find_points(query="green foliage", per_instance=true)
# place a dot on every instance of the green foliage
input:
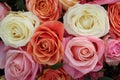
(3, 0)
(56, 66)
(20, 5)
(16, 5)
(105, 78)
(87, 78)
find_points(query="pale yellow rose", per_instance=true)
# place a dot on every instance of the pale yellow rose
(86, 20)
(17, 28)
(2, 77)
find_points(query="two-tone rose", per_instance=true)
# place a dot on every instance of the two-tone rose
(82, 55)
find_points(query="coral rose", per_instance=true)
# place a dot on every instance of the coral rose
(82, 55)
(46, 43)
(114, 16)
(86, 20)
(46, 10)
(58, 74)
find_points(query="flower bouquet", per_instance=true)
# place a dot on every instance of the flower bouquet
(59, 39)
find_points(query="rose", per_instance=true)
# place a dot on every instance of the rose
(87, 19)
(2, 77)
(58, 74)
(46, 10)
(113, 13)
(96, 75)
(68, 3)
(112, 53)
(82, 55)
(2, 55)
(4, 8)
(92, 76)
(117, 77)
(3, 50)
(17, 28)
(46, 43)
(20, 66)
(100, 2)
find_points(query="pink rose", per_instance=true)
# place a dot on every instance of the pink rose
(112, 52)
(2, 55)
(4, 8)
(3, 50)
(20, 66)
(82, 55)
(92, 75)
(96, 75)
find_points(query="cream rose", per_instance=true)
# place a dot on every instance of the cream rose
(86, 19)
(17, 28)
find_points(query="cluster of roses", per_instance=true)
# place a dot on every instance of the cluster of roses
(33, 41)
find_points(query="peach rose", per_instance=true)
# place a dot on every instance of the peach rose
(114, 16)
(82, 55)
(46, 10)
(100, 2)
(68, 3)
(46, 44)
(112, 53)
(58, 74)
(20, 66)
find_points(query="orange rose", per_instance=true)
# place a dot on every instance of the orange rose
(46, 43)
(114, 16)
(68, 3)
(59, 74)
(46, 10)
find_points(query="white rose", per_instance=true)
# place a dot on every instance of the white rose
(17, 28)
(86, 20)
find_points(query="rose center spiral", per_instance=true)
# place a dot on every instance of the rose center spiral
(86, 21)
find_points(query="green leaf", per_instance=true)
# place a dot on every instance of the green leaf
(3, 0)
(56, 66)
(105, 78)
(21, 5)
(87, 78)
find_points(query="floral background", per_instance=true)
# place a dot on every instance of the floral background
(59, 39)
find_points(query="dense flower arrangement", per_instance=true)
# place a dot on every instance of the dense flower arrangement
(59, 39)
